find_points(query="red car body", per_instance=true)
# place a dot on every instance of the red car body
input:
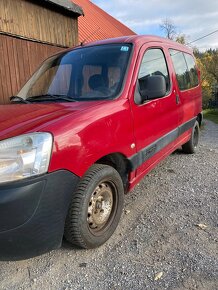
(86, 132)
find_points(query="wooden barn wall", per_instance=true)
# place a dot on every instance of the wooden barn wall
(31, 21)
(18, 60)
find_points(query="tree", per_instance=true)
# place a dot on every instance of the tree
(211, 63)
(206, 82)
(170, 31)
(208, 65)
(168, 27)
(181, 38)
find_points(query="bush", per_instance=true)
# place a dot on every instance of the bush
(211, 114)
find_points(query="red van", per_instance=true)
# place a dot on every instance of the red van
(86, 127)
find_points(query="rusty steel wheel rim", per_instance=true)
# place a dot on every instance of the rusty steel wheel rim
(100, 208)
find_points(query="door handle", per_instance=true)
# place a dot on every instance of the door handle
(177, 99)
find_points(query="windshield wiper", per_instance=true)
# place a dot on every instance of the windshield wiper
(50, 97)
(17, 99)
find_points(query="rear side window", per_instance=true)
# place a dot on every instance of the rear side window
(185, 68)
(154, 63)
(192, 70)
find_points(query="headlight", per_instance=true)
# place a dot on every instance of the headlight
(24, 156)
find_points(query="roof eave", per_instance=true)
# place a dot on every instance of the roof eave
(67, 5)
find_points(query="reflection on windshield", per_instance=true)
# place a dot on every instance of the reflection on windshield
(86, 73)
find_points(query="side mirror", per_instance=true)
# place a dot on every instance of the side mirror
(152, 87)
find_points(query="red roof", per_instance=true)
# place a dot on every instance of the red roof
(97, 24)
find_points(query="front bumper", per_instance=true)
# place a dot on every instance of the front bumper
(33, 213)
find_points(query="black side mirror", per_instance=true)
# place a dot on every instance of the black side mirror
(152, 87)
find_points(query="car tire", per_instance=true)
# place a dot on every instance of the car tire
(96, 207)
(191, 146)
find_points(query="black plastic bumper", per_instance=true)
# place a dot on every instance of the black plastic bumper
(32, 214)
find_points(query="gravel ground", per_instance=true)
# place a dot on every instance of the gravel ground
(158, 234)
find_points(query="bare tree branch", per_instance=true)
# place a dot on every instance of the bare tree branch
(168, 28)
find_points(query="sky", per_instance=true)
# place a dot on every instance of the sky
(194, 18)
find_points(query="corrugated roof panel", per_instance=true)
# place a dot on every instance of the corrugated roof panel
(97, 24)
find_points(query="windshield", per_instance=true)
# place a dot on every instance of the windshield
(87, 73)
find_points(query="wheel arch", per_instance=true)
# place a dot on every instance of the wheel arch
(119, 162)
(200, 118)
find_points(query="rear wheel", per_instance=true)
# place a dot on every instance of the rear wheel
(191, 146)
(96, 207)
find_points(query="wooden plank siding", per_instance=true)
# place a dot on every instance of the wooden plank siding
(19, 58)
(31, 21)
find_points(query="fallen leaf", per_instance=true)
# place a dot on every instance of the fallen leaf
(201, 226)
(158, 276)
(170, 170)
(82, 265)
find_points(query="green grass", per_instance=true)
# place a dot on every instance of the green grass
(211, 114)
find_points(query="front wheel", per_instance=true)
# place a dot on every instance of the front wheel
(96, 207)
(191, 146)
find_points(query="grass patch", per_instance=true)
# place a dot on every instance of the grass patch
(211, 114)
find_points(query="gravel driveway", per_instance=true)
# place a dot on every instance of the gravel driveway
(157, 237)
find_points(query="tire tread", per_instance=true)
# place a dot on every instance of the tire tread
(72, 226)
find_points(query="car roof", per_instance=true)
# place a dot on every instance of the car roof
(139, 40)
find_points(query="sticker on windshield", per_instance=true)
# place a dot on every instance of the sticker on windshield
(124, 48)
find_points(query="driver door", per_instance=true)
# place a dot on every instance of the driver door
(155, 120)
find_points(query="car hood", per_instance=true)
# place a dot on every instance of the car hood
(17, 119)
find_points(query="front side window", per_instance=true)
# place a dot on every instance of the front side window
(154, 63)
(86, 73)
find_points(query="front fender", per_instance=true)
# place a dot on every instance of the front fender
(79, 142)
